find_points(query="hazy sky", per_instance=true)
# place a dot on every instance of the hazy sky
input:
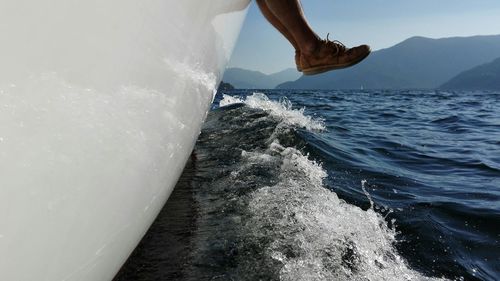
(379, 23)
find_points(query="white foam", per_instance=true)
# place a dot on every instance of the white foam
(365, 191)
(282, 110)
(316, 235)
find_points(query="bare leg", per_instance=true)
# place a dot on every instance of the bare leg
(288, 18)
(312, 55)
(277, 23)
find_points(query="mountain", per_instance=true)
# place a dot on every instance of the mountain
(483, 77)
(248, 79)
(417, 62)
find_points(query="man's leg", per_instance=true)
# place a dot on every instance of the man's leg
(276, 23)
(281, 28)
(312, 55)
(288, 18)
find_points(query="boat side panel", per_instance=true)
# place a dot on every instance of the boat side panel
(100, 105)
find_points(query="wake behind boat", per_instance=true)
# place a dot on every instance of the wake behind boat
(302, 187)
(100, 106)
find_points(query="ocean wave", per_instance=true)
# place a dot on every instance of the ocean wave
(317, 236)
(282, 110)
(289, 224)
(276, 198)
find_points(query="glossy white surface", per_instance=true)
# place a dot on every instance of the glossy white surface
(100, 105)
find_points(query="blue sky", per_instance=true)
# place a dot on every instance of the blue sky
(379, 23)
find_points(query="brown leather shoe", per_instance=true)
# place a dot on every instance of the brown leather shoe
(332, 55)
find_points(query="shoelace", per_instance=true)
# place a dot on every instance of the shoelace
(339, 46)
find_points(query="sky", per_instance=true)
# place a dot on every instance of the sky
(378, 23)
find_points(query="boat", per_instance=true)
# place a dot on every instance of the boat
(101, 103)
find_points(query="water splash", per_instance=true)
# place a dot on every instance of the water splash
(266, 206)
(282, 110)
(365, 191)
(313, 234)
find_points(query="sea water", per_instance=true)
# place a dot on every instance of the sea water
(340, 185)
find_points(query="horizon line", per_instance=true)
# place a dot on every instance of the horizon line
(376, 50)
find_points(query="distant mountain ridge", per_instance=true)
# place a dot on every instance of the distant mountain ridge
(416, 63)
(483, 77)
(248, 79)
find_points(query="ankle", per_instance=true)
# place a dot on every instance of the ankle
(311, 47)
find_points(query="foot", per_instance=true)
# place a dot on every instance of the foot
(332, 55)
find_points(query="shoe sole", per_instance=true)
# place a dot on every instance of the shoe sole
(324, 68)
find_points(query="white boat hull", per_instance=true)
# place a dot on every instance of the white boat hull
(101, 103)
